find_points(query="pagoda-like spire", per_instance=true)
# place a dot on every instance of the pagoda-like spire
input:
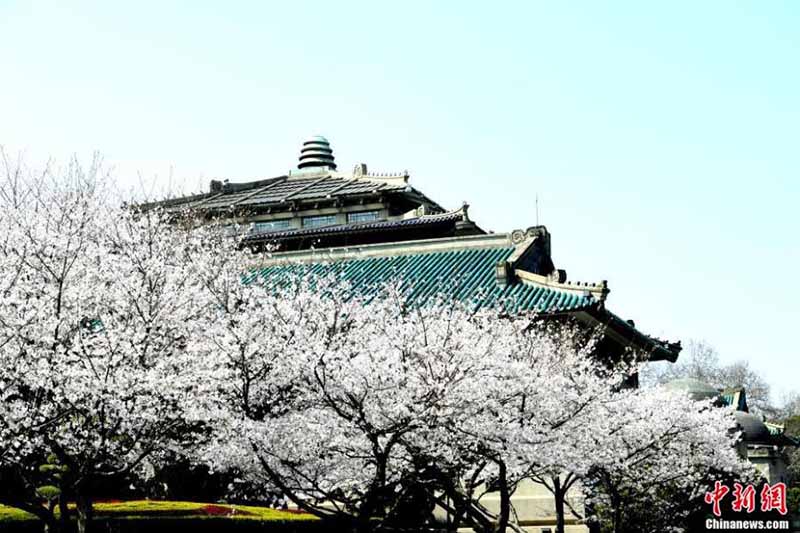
(316, 152)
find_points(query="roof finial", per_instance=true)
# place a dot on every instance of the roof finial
(316, 152)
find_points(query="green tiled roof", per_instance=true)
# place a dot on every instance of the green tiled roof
(727, 398)
(465, 274)
(734, 397)
(775, 430)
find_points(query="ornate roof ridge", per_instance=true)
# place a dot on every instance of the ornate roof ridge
(597, 290)
(489, 240)
(359, 173)
(536, 240)
(216, 188)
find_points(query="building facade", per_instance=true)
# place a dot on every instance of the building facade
(376, 227)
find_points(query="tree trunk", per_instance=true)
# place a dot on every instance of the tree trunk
(590, 513)
(468, 511)
(51, 525)
(373, 502)
(458, 516)
(63, 512)
(616, 505)
(559, 493)
(85, 513)
(363, 525)
(505, 500)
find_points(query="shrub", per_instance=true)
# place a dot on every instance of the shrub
(793, 501)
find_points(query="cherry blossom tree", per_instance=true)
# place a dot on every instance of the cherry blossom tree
(125, 336)
(629, 445)
(96, 304)
(515, 417)
(659, 447)
(315, 391)
(347, 405)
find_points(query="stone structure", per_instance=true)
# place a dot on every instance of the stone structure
(762, 443)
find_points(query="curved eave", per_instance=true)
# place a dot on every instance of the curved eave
(786, 440)
(382, 225)
(657, 349)
(773, 440)
(594, 313)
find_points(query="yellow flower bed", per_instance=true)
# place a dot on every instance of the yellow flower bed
(170, 509)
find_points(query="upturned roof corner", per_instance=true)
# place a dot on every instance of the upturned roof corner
(531, 263)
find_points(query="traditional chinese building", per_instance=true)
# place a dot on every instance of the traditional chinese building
(371, 228)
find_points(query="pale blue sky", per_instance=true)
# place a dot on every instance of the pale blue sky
(663, 140)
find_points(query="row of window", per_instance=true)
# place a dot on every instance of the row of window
(363, 216)
(272, 225)
(316, 221)
(319, 221)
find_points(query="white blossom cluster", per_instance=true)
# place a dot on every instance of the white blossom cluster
(346, 405)
(124, 336)
(97, 303)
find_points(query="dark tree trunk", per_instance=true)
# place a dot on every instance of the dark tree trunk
(616, 515)
(559, 493)
(458, 516)
(63, 512)
(467, 512)
(363, 525)
(52, 526)
(505, 499)
(593, 524)
(372, 505)
(85, 513)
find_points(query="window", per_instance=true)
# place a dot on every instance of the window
(318, 221)
(271, 225)
(362, 216)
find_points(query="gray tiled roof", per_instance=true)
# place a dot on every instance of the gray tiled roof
(286, 188)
